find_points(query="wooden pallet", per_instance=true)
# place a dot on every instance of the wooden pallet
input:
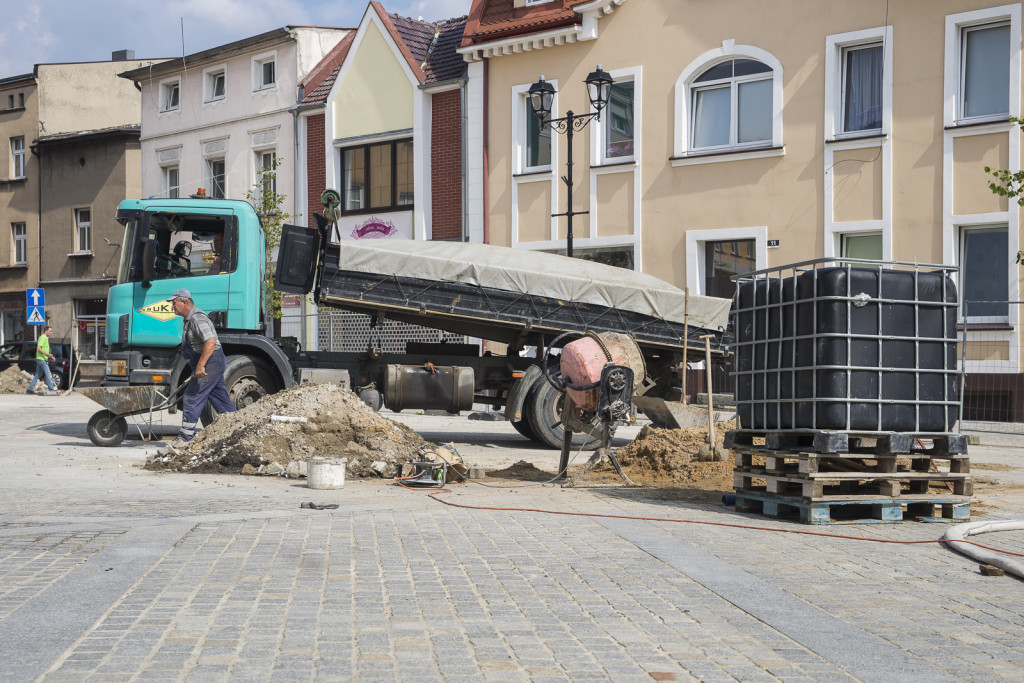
(853, 443)
(784, 462)
(855, 510)
(823, 486)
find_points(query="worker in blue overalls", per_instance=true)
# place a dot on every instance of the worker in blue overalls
(201, 349)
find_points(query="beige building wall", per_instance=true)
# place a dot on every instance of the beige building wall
(376, 86)
(86, 96)
(918, 185)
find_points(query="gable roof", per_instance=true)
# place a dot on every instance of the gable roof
(317, 84)
(428, 47)
(444, 63)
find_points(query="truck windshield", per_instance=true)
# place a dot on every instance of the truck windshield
(182, 245)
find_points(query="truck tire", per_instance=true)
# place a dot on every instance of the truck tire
(543, 410)
(107, 429)
(247, 380)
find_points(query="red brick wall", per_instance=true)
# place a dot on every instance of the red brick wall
(316, 167)
(446, 165)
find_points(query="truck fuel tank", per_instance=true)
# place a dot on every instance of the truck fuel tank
(428, 387)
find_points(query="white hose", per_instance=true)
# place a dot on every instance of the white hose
(961, 531)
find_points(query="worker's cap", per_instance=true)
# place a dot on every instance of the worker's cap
(181, 294)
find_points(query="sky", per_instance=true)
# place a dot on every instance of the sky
(46, 31)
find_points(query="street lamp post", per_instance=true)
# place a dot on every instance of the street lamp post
(599, 85)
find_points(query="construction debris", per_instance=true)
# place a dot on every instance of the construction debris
(672, 457)
(14, 380)
(338, 424)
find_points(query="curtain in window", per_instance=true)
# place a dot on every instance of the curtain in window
(755, 112)
(986, 71)
(862, 107)
(983, 275)
(711, 117)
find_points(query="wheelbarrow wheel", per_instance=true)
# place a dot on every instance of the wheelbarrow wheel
(107, 429)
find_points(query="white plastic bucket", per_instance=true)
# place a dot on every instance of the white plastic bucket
(326, 473)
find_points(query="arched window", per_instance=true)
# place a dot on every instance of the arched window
(732, 105)
(729, 99)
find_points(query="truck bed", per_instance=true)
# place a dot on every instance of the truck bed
(503, 294)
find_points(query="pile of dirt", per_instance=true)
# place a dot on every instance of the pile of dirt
(673, 458)
(14, 381)
(261, 438)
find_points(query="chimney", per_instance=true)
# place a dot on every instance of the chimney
(122, 55)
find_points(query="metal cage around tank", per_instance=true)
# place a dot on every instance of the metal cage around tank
(847, 344)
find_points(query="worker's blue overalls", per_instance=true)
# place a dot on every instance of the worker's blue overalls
(200, 389)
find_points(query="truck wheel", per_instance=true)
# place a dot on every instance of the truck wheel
(247, 381)
(543, 410)
(107, 429)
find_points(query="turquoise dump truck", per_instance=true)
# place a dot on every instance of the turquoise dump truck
(520, 298)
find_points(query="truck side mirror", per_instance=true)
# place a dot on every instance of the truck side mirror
(150, 252)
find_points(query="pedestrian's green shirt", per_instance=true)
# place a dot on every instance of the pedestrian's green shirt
(43, 348)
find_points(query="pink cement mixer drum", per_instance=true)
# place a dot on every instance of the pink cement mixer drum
(582, 361)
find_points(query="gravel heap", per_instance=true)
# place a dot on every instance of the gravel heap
(337, 425)
(14, 381)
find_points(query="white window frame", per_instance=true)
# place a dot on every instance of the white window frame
(520, 111)
(599, 129)
(168, 186)
(953, 76)
(166, 88)
(685, 87)
(209, 81)
(697, 239)
(211, 176)
(19, 233)
(836, 47)
(258, 155)
(83, 231)
(18, 157)
(258, 84)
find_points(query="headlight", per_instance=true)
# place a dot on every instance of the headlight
(117, 368)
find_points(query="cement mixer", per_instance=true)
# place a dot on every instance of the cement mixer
(599, 373)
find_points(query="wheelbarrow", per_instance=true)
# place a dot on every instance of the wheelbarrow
(109, 427)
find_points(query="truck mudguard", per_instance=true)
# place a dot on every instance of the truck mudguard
(517, 396)
(267, 348)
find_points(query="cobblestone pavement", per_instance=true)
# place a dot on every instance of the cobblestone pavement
(111, 573)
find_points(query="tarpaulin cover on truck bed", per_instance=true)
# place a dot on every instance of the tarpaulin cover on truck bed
(535, 273)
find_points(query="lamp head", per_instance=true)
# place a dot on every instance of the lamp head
(542, 94)
(599, 88)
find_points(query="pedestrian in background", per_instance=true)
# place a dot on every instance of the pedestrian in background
(201, 349)
(43, 358)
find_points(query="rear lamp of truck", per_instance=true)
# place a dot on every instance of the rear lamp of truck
(517, 375)
(158, 378)
(117, 368)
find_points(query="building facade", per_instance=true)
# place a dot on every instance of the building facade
(217, 118)
(55, 101)
(739, 139)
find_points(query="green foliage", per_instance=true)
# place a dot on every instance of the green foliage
(264, 197)
(1009, 184)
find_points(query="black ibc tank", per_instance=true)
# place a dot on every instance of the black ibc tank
(867, 349)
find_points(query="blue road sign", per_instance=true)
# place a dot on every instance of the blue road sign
(35, 296)
(35, 315)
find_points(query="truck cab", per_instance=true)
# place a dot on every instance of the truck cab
(213, 248)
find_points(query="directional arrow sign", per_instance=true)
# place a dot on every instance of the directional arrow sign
(35, 296)
(35, 315)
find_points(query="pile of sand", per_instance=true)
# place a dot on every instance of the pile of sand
(673, 457)
(14, 381)
(337, 424)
